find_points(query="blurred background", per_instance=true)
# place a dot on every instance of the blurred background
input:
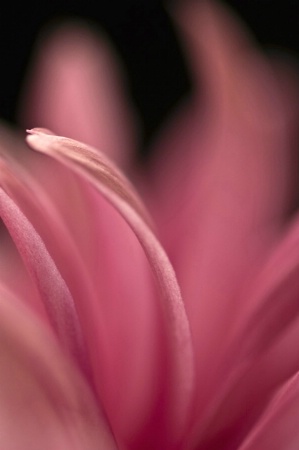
(145, 40)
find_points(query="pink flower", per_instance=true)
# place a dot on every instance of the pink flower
(173, 330)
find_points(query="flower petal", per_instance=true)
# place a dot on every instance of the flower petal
(278, 428)
(11, 269)
(263, 344)
(273, 298)
(45, 402)
(239, 190)
(75, 88)
(49, 283)
(28, 180)
(114, 298)
(96, 169)
(245, 394)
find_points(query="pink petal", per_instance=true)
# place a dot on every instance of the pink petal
(238, 191)
(45, 402)
(11, 269)
(31, 185)
(272, 306)
(75, 88)
(116, 306)
(263, 345)
(53, 212)
(278, 427)
(242, 397)
(48, 281)
(94, 168)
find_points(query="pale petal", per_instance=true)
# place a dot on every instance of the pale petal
(76, 88)
(93, 167)
(114, 298)
(51, 287)
(45, 402)
(30, 184)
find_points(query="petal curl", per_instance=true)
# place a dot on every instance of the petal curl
(101, 173)
(49, 283)
(114, 297)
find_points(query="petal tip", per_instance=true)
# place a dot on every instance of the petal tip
(38, 130)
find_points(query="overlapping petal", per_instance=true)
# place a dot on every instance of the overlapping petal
(278, 427)
(263, 346)
(237, 192)
(222, 193)
(45, 402)
(51, 287)
(114, 297)
(95, 168)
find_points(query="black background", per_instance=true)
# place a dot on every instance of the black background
(145, 39)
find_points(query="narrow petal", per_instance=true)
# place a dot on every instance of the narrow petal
(273, 297)
(51, 287)
(263, 345)
(76, 88)
(93, 167)
(239, 191)
(45, 403)
(53, 211)
(243, 396)
(114, 297)
(278, 428)
(11, 269)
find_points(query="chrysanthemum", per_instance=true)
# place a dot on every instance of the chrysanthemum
(169, 326)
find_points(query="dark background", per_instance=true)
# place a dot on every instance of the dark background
(145, 39)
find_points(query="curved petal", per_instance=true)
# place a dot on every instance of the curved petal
(95, 169)
(114, 299)
(52, 204)
(272, 306)
(278, 428)
(239, 191)
(11, 269)
(50, 285)
(242, 396)
(53, 214)
(76, 88)
(262, 347)
(45, 403)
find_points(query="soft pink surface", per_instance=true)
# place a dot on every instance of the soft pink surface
(232, 172)
(45, 402)
(94, 167)
(184, 342)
